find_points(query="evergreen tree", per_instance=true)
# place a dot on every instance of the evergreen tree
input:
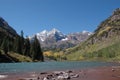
(11, 42)
(36, 52)
(17, 45)
(32, 52)
(5, 45)
(22, 42)
(27, 47)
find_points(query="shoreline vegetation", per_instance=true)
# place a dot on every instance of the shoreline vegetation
(98, 73)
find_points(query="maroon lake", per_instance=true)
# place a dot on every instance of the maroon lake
(8, 68)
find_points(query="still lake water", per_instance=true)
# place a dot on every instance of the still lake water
(48, 66)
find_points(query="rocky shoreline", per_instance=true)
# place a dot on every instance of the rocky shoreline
(56, 75)
(99, 73)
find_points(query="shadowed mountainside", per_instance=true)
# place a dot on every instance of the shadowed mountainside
(15, 48)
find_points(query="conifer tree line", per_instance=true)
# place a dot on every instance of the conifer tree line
(22, 46)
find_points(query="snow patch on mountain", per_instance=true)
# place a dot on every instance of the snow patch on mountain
(64, 39)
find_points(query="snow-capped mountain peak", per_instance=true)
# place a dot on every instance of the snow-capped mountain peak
(57, 39)
(53, 31)
(43, 35)
(44, 32)
(86, 32)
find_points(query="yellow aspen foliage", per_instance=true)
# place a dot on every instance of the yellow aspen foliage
(48, 53)
(81, 57)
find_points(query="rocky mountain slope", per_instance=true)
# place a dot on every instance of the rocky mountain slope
(55, 39)
(5, 28)
(103, 44)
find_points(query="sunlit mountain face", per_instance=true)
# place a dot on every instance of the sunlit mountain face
(55, 39)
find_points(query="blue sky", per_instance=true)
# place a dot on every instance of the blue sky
(68, 16)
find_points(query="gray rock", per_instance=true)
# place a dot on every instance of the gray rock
(74, 76)
(64, 76)
(45, 78)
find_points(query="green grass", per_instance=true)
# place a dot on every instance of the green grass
(19, 57)
(110, 53)
(103, 45)
(14, 57)
(107, 50)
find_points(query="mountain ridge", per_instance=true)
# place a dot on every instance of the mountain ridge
(5, 27)
(57, 39)
(101, 45)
